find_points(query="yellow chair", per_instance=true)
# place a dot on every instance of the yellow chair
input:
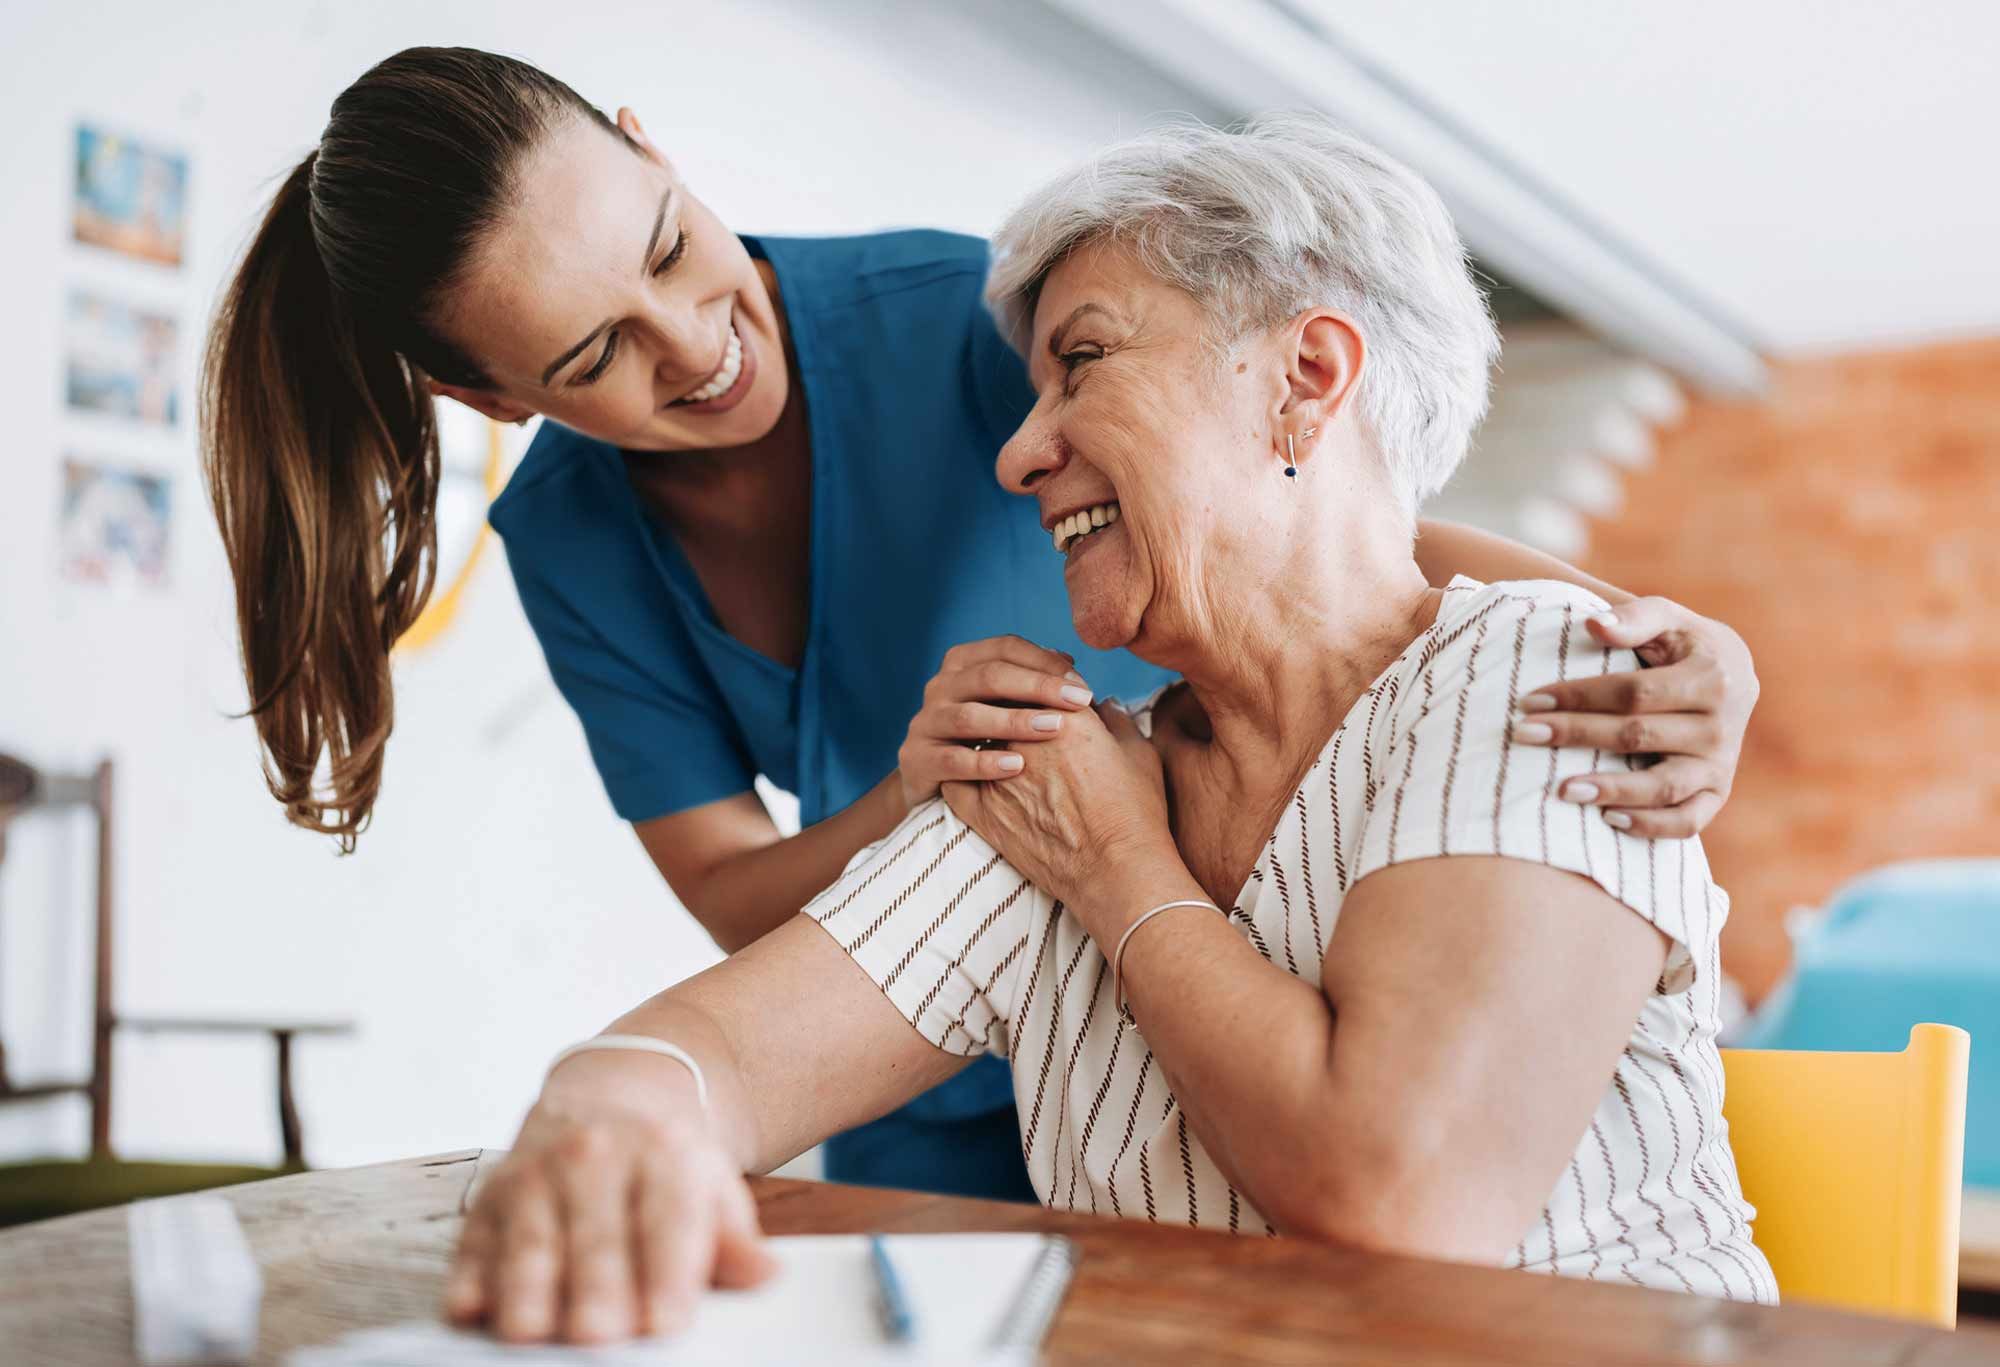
(1854, 1163)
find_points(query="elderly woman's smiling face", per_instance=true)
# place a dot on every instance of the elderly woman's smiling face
(1139, 419)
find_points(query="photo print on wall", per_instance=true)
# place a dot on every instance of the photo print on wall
(120, 360)
(114, 524)
(130, 197)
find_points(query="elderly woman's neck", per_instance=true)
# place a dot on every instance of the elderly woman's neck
(1289, 660)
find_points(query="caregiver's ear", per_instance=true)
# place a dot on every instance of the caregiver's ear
(628, 124)
(1324, 363)
(483, 401)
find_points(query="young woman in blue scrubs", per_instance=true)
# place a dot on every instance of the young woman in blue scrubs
(763, 514)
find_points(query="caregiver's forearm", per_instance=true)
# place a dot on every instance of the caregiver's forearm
(1447, 548)
(740, 879)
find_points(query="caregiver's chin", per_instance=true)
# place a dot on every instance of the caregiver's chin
(603, 244)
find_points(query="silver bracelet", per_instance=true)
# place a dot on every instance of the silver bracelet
(644, 1044)
(1118, 954)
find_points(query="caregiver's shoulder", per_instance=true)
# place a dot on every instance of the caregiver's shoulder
(869, 265)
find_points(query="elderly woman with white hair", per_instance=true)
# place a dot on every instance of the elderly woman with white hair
(1308, 943)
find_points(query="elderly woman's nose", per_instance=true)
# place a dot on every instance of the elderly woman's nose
(1035, 450)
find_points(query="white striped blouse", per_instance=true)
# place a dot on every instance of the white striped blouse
(981, 961)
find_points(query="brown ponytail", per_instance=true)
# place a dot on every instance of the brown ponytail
(319, 438)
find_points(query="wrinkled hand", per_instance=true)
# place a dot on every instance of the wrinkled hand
(1091, 800)
(1691, 709)
(1000, 689)
(604, 1221)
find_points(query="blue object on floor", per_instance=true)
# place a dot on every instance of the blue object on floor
(1907, 943)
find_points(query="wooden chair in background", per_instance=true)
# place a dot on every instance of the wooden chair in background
(39, 1189)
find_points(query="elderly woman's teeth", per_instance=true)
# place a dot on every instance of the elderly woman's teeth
(1079, 525)
(725, 378)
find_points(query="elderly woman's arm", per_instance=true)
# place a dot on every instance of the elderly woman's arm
(1424, 1102)
(623, 1200)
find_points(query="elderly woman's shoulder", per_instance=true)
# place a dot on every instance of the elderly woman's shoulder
(1538, 602)
(1503, 631)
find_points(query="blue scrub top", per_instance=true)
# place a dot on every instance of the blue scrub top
(910, 393)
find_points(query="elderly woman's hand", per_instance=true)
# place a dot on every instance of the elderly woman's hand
(1000, 689)
(1086, 802)
(605, 1220)
(1690, 709)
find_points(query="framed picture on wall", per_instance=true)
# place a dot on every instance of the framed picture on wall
(130, 197)
(120, 359)
(114, 524)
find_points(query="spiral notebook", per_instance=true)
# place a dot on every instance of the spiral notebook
(976, 1298)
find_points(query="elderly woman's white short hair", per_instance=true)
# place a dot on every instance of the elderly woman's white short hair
(1260, 224)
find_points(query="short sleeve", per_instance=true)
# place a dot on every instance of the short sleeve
(1453, 782)
(662, 740)
(942, 924)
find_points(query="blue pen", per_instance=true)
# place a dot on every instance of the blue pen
(899, 1323)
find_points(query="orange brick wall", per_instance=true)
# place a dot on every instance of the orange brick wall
(1849, 526)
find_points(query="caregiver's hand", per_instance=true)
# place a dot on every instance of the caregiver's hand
(1000, 689)
(1691, 709)
(1090, 802)
(606, 1219)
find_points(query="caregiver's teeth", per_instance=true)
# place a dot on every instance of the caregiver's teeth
(725, 378)
(1079, 525)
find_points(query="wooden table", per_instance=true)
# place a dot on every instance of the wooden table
(367, 1246)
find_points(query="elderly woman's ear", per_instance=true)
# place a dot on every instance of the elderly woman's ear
(1325, 355)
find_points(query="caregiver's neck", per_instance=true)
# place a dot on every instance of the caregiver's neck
(1295, 641)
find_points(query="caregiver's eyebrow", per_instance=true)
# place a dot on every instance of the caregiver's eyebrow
(645, 268)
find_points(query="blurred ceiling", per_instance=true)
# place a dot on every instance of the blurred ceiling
(1820, 172)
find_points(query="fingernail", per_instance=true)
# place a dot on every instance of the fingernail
(1537, 702)
(1010, 764)
(1580, 793)
(1606, 620)
(1075, 677)
(1073, 694)
(1534, 732)
(1047, 721)
(1618, 821)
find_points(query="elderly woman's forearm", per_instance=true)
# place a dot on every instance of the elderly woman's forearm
(1247, 1050)
(1444, 549)
(780, 1078)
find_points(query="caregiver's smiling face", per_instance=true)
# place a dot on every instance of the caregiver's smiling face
(609, 298)
(1135, 413)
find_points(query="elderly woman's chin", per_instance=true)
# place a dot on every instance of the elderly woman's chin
(1105, 602)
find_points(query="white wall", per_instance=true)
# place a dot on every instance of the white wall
(1821, 171)
(496, 910)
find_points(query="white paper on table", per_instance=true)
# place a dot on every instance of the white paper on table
(196, 1289)
(820, 1306)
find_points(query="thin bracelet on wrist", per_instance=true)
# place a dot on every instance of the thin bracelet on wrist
(1118, 954)
(643, 1044)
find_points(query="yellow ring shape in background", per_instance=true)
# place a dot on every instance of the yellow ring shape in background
(439, 613)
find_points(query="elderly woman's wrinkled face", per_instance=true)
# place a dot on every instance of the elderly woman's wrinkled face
(1140, 449)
